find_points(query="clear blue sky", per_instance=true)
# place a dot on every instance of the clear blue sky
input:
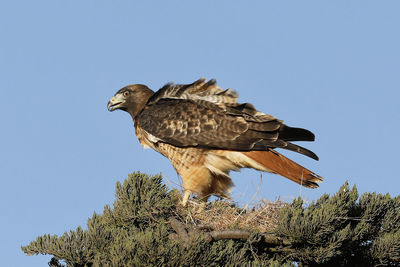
(330, 66)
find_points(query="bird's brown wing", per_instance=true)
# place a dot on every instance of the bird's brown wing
(200, 123)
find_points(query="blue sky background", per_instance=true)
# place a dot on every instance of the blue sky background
(330, 66)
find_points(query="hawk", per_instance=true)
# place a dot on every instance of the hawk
(206, 133)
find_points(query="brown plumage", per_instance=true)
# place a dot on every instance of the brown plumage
(205, 134)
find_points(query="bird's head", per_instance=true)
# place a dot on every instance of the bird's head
(131, 98)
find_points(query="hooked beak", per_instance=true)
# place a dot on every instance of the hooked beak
(115, 103)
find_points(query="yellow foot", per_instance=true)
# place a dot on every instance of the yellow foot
(185, 198)
(199, 207)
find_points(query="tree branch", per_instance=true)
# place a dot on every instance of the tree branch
(229, 234)
(181, 233)
(179, 228)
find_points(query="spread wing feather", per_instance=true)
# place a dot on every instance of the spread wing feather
(203, 115)
(199, 90)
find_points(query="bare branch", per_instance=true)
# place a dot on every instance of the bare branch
(179, 229)
(229, 234)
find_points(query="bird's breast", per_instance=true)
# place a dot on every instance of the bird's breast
(145, 139)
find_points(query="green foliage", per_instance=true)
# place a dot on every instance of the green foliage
(140, 201)
(341, 230)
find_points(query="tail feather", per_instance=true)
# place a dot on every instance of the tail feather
(275, 162)
(301, 150)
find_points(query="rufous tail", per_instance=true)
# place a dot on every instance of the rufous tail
(275, 162)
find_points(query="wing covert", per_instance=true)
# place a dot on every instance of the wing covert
(188, 123)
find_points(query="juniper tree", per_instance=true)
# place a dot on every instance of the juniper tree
(145, 227)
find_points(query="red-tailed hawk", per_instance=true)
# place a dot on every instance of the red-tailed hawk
(205, 134)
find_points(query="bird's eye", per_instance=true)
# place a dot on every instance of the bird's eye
(125, 94)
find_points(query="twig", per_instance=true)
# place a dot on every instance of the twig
(190, 216)
(254, 196)
(301, 182)
(352, 218)
(273, 240)
(173, 183)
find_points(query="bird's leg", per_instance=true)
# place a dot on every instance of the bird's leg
(185, 198)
